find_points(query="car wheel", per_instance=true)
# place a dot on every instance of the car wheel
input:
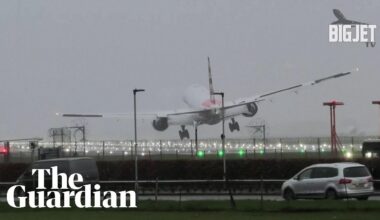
(331, 194)
(362, 198)
(289, 195)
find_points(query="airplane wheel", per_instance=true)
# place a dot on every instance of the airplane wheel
(231, 127)
(186, 134)
(181, 135)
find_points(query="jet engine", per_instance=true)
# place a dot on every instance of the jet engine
(160, 124)
(251, 110)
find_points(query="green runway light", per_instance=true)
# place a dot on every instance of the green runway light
(261, 151)
(200, 154)
(220, 153)
(241, 152)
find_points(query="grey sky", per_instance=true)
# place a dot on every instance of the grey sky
(87, 56)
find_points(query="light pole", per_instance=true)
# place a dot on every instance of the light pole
(232, 200)
(135, 125)
(223, 137)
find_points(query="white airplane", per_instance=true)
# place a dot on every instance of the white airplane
(204, 108)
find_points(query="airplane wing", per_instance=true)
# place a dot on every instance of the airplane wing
(130, 115)
(228, 105)
(106, 115)
(258, 98)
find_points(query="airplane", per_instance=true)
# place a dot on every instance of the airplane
(342, 20)
(205, 108)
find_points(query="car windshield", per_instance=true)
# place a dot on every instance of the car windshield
(356, 171)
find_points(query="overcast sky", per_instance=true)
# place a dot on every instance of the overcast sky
(87, 56)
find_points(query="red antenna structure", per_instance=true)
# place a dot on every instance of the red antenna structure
(334, 137)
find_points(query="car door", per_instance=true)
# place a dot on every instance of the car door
(302, 182)
(322, 177)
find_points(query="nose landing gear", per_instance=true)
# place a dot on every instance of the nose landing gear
(234, 125)
(183, 133)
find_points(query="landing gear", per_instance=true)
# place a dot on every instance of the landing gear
(183, 133)
(234, 125)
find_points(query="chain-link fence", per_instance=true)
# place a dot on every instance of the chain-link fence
(281, 148)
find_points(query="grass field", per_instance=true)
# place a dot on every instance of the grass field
(199, 210)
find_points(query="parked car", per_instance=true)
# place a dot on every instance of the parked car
(85, 166)
(330, 181)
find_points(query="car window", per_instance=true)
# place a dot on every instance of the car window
(360, 171)
(324, 172)
(305, 175)
(86, 167)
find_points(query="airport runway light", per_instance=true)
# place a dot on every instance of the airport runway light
(220, 153)
(200, 154)
(348, 155)
(135, 91)
(241, 152)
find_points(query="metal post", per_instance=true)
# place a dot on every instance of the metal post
(196, 137)
(156, 190)
(191, 148)
(84, 139)
(132, 151)
(280, 148)
(223, 137)
(319, 148)
(265, 139)
(223, 141)
(7, 151)
(135, 128)
(103, 148)
(135, 143)
(160, 149)
(261, 193)
(225, 177)
(332, 132)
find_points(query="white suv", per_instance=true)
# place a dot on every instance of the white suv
(330, 181)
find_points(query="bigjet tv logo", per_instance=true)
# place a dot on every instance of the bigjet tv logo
(344, 30)
(65, 190)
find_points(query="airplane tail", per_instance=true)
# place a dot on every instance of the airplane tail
(211, 87)
(338, 14)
